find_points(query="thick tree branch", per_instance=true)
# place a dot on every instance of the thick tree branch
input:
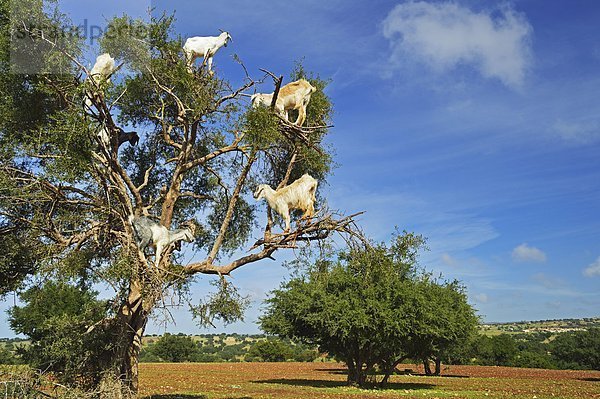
(313, 230)
(231, 207)
(202, 160)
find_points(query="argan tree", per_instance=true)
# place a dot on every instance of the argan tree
(66, 197)
(372, 308)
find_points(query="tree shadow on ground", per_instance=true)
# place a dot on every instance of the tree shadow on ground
(343, 371)
(188, 396)
(337, 384)
(592, 379)
(177, 396)
(334, 371)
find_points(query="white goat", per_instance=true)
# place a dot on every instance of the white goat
(100, 72)
(150, 233)
(298, 195)
(261, 100)
(294, 95)
(104, 137)
(205, 47)
(104, 66)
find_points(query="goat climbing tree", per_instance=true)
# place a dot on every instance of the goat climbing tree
(202, 151)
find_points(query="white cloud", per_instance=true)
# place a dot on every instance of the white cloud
(593, 269)
(582, 132)
(483, 298)
(449, 260)
(446, 35)
(525, 253)
(548, 281)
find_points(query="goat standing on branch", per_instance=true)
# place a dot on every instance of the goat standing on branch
(100, 73)
(104, 137)
(124, 136)
(298, 195)
(204, 47)
(292, 96)
(149, 233)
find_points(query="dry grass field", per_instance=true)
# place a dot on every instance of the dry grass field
(327, 380)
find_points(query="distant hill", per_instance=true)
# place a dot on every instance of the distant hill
(490, 329)
(550, 326)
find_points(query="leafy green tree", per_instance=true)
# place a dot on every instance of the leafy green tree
(58, 317)
(7, 357)
(304, 353)
(530, 359)
(67, 195)
(499, 350)
(443, 324)
(175, 348)
(271, 350)
(370, 307)
(578, 349)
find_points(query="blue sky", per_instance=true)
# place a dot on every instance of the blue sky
(474, 123)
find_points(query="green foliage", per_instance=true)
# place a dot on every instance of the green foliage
(277, 350)
(500, 350)
(269, 351)
(565, 350)
(175, 348)
(57, 318)
(579, 349)
(372, 307)
(7, 356)
(182, 348)
(17, 261)
(262, 128)
(536, 360)
(226, 305)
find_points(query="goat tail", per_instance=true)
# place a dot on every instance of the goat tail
(313, 191)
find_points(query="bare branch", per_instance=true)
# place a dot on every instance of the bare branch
(195, 196)
(146, 178)
(235, 93)
(231, 207)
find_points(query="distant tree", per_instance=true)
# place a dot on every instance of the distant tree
(499, 350)
(7, 356)
(580, 349)
(370, 307)
(530, 359)
(304, 353)
(175, 348)
(272, 350)
(147, 355)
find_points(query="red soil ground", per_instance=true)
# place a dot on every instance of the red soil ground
(327, 380)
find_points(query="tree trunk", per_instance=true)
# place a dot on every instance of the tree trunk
(438, 365)
(133, 318)
(129, 371)
(426, 366)
(388, 369)
(351, 372)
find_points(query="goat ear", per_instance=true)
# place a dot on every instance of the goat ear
(135, 139)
